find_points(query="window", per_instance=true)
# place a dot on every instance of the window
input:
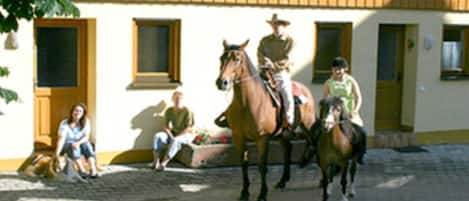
(57, 53)
(454, 54)
(156, 53)
(332, 40)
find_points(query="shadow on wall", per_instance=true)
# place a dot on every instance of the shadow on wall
(148, 121)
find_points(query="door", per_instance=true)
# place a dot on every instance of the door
(59, 76)
(389, 76)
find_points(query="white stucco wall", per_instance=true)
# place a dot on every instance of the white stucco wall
(126, 118)
(16, 122)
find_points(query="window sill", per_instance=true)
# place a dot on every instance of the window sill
(321, 77)
(318, 80)
(153, 85)
(454, 77)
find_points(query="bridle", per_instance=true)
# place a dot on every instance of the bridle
(245, 78)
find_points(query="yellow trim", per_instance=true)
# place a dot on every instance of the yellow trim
(139, 156)
(447, 5)
(443, 137)
(13, 164)
(91, 73)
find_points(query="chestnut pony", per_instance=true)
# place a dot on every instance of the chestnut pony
(334, 148)
(252, 115)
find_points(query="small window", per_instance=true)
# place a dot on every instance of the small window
(156, 53)
(454, 57)
(332, 40)
(57, 53)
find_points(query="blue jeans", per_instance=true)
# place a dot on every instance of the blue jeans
(162, 138)
(85, 148)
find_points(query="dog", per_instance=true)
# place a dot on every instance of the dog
(53, 168)
(43, 166)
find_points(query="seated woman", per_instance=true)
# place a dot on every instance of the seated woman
(74, 133)
(177, 131)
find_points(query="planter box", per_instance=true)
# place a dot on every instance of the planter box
(219, 155)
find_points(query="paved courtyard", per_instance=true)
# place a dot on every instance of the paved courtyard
(441, 174)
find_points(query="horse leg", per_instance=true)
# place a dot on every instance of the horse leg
(325, 186)
(343, 182)
(244, 166)
(353, 171)
(287, 149)
(263, 150)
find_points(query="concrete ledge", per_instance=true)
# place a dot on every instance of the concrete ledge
(218, 155)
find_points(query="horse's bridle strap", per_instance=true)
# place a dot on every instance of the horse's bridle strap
(238, 81)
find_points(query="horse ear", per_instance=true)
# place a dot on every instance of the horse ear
(225, 44)
(242, 46)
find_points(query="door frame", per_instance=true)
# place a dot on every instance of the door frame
(401, 28)
(86, 59)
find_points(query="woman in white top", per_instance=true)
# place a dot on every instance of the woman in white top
(74, 133)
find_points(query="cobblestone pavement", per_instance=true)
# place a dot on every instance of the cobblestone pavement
(441, 174)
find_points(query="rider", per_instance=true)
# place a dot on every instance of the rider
(344, 85)
(274, 53)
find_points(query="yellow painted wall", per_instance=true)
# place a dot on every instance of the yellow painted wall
(127, 118)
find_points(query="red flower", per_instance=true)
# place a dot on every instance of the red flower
(224, 139)
(198, 139)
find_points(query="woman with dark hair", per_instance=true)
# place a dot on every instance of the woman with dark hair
(74, 134)
(345, 86)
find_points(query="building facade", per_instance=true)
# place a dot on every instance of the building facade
(124, 58)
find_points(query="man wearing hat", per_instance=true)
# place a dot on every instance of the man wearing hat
(274, 53)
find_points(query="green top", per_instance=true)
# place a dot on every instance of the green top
(343, 89)
(179, 119)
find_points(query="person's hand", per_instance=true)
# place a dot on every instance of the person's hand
(268, 63)
(75, 146)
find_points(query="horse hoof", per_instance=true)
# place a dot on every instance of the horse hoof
(344, 198)
(244, 197)
(351, 192)
(329, 189)
(280, 185)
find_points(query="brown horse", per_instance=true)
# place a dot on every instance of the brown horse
(334, 148)
(252, 115)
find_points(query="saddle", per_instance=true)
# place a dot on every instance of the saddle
(272, 88)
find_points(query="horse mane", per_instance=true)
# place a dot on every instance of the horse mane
(252, 68)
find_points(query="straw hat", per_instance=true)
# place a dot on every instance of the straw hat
(276, 20)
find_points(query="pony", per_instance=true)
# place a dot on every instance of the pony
(334, 148)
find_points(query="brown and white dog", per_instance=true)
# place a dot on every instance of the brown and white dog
(54, 168)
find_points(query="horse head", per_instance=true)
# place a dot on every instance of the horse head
(332, 112)
(234, 65)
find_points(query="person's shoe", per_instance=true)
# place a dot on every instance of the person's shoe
(94, 176)
(83, 175)
(222, 122)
